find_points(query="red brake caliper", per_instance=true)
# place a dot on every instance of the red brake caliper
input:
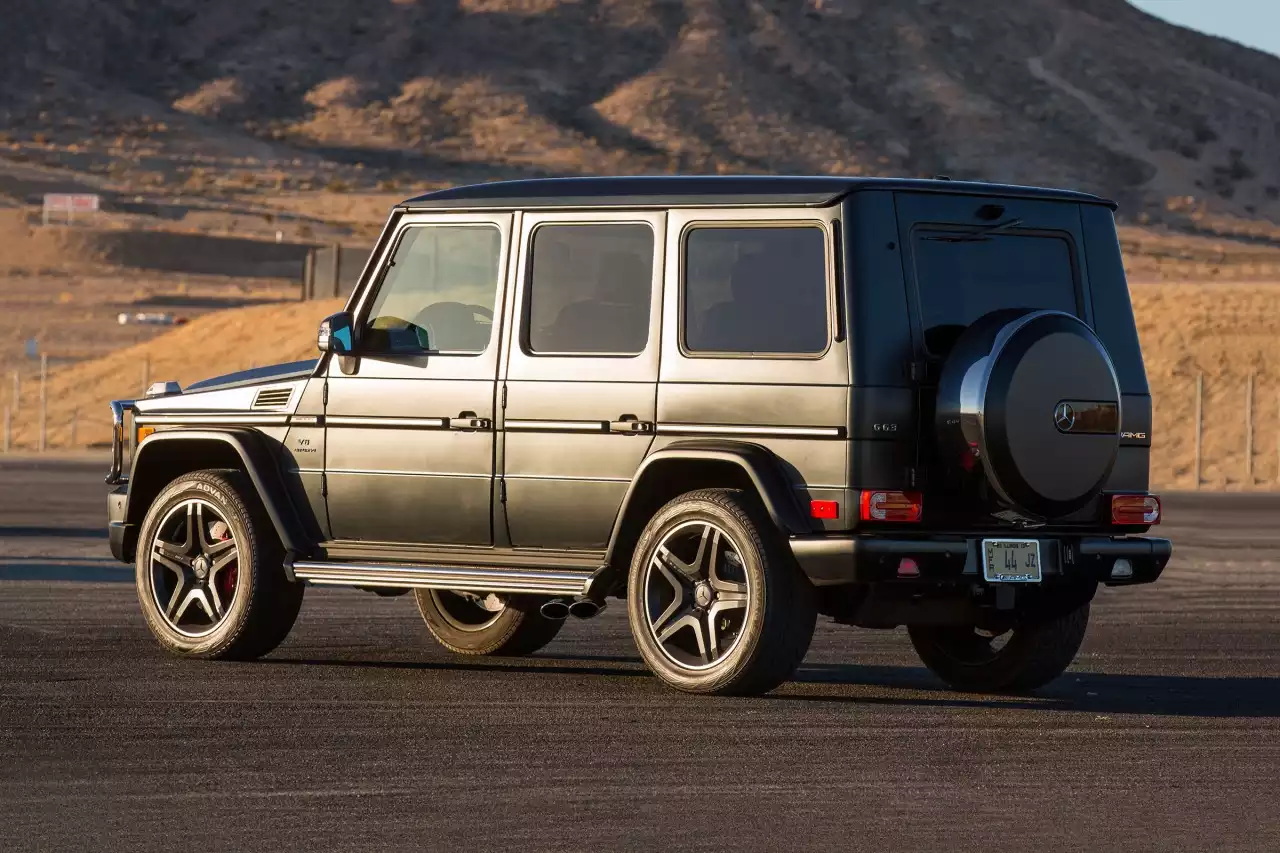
(222, 532)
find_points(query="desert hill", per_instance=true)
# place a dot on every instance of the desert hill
(1084, 93)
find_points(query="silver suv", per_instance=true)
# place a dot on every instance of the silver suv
(734, 402)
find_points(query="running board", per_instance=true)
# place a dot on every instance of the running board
(389, 575)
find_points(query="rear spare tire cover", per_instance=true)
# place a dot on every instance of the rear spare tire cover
(1029, 401)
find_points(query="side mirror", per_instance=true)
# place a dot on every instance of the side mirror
(335, 334)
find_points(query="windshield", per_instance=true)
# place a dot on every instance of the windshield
(959, 280)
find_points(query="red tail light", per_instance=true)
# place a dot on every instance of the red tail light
(1135, 509)
(890, 506)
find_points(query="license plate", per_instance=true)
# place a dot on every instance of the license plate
(1011, 560)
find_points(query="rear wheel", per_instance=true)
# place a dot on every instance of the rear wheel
(1022, 658)
(716, 602)
(471, 623)
(210, 570)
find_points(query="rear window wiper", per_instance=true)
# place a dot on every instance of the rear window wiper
(978, 236)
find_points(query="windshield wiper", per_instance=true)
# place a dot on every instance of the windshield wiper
(979, 236)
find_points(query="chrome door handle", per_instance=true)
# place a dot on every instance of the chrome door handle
(468, 420)
(630, 425)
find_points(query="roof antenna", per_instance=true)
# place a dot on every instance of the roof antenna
(942, 177)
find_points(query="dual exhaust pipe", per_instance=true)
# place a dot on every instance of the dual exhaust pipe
(558, 609)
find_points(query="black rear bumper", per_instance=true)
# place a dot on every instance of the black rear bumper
(832, 560)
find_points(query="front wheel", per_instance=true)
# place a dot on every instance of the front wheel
(210, 570)
(716, 602)
(1022, 658)
(471, 623)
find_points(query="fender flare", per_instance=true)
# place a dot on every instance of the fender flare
(761, 466)
(258, 464)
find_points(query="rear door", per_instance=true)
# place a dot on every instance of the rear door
(581, 374)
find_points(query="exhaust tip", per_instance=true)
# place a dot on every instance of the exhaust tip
(585, 608)
(556, 609)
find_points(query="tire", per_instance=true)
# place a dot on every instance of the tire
(462, 625)
(210, 570)
(1032, 656)
(715, 600)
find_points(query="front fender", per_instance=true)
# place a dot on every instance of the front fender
(166, 455)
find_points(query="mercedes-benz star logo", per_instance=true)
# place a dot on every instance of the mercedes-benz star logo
(1064, 417)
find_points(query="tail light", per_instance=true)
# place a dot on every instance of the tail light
(890, 506)
(1135, 509)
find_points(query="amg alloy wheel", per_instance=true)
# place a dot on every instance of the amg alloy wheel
(715, 599)
(210, 570)
(485, 623)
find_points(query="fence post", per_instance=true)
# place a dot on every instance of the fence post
(44, 401)
(75, 416)
(1199, 423)
(8, 429)
(1248, 431)
(146, 372)
(337, 269)
(308, 275)
(17, 391)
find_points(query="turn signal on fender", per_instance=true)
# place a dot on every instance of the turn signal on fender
(1135, 509)
(891, 506)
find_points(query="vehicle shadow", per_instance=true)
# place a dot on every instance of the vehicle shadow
(1088, 692)
(906, 686)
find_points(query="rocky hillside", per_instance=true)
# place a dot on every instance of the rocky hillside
(1083, 93)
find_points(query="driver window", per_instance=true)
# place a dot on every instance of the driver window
(438, 292)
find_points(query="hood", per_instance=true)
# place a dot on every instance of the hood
(253, 376)
(265, 391)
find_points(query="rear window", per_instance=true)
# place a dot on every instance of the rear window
(958, 282)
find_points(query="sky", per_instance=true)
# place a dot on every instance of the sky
(1255, 23)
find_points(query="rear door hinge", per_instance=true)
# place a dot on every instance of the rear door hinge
(502, 491)
(324, 394)
(923, 371)
(324, 485)
(504, 395)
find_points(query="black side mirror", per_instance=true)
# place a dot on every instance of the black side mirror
(336, 334)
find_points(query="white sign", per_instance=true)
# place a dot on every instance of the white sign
(70, 204)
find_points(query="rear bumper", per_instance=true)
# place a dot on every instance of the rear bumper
(831, 560)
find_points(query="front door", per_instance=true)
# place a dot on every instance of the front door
(581, 374)
(409, 431)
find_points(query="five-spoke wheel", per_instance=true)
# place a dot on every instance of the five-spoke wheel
(194, 567)
(210, 569)
(716, 602)
(696, 594)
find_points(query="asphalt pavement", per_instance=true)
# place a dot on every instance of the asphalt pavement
(360, 734)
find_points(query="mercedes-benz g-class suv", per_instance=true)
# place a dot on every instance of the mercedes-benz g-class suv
(734, 402)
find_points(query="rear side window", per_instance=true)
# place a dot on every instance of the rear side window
(960, 278)
(756, 290)
(590, 289)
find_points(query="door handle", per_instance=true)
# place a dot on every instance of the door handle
(630, 425)
(468, 420)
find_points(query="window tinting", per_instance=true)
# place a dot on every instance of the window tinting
(755, 290)
(590, 289)
(439, 292)
(958, 282)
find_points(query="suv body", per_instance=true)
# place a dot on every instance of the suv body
(895, 402)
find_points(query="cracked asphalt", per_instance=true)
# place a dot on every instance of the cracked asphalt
(359, 733)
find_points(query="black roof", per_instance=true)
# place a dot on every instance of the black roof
(698, 190)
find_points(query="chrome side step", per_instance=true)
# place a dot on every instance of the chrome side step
(402, 576)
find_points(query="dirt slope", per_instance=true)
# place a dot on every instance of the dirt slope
(1224, 331)
(1084, 93)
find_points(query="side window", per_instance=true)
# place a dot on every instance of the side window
(589, 289)
(438, 292)
(755, 290)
